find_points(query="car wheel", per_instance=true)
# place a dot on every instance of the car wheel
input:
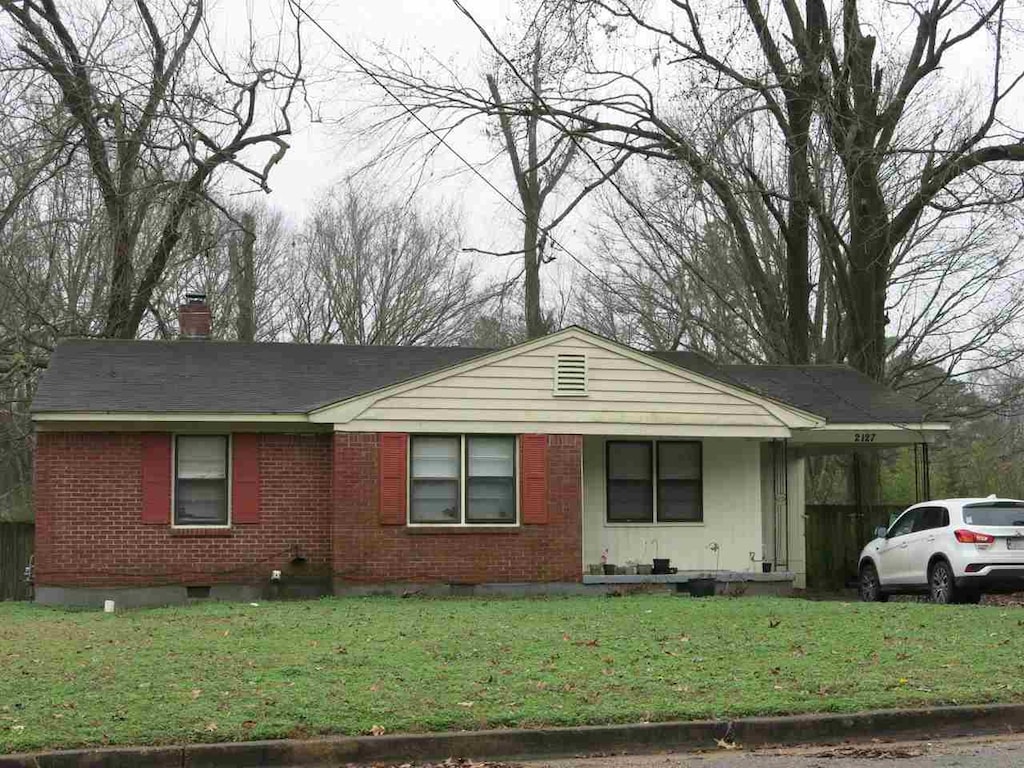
(940, 583)
(870, 586)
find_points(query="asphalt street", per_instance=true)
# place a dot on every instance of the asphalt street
(991, 752)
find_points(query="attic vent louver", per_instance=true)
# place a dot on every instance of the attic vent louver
(571, 374)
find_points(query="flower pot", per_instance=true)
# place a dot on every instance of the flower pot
(661, 565)
(609, 569)
(766, 567)
(631, 570)
(595, 569)
(620, 570)
(644, 569)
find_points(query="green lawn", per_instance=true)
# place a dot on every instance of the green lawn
(236, 671)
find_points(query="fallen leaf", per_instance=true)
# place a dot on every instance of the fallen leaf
(196, 693)
(211, 727)
(378, 730)
(723, 744)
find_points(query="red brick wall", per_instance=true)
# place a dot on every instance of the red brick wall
(319, 498)
(88, 492)
(365, 551)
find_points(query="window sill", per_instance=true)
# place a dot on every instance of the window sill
(656, 525)
(202, 533)
(460, 530)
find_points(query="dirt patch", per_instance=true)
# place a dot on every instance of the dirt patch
(870, 753)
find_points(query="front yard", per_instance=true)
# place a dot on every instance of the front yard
(355, 666)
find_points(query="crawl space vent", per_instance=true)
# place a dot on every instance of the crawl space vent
(571, 374)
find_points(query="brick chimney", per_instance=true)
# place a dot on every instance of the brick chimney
(194, 318)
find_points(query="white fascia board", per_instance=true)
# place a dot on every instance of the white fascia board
(868, 434)
(926, 426)
(575, 428)
(165, 417)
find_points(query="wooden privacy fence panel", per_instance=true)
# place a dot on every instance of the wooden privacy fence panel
(836, 533)
(16, 547)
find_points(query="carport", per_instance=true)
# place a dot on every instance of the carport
(820, 543)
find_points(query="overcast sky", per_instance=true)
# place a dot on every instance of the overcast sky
(321, 156)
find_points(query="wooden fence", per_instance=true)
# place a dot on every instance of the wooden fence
(836, 533)
(16, 547)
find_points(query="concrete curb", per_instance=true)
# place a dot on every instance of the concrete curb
(935, 722)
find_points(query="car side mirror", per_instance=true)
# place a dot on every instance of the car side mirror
(880, 532)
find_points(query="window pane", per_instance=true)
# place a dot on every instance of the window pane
(678, 461)
(201, 502)
(435, 457)
(1006, 513)
(679, 501)
(491, 500)
(629, 461)
(905, 524)
(490, 486)
(202, 456)
(630, 501)
(630, 493)
(434, 501)
(490, 456)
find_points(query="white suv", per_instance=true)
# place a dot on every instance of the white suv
(955, 550)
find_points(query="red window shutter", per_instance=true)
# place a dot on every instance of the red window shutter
(245, 478)
(533, 478)
(156, 478)
(394, 462)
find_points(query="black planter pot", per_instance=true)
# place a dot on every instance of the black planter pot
(766, 567)
(702, 587)
(661, 565)
(609, 569)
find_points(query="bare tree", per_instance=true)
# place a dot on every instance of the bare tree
(803, 91)
(551, 178)
(375, 271)
(158, 112)
(239, 256)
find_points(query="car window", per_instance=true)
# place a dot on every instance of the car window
(931, 517)
(904, 525)
(995, 513)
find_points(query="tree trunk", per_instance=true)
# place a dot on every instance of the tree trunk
(535, 326)
(869, 256)
(119, 301)
(244, 268)
(798, 286)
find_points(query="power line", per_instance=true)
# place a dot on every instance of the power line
(580, 146)
(539, 97)
(445, 143)
(643, 216)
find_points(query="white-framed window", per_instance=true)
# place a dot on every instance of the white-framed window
(650, 481)
(202, 496)
(462, 480)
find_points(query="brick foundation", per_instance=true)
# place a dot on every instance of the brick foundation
(319, 500)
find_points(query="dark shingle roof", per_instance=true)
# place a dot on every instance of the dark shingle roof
(225, 377)
(839, 393)
(229, 377)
